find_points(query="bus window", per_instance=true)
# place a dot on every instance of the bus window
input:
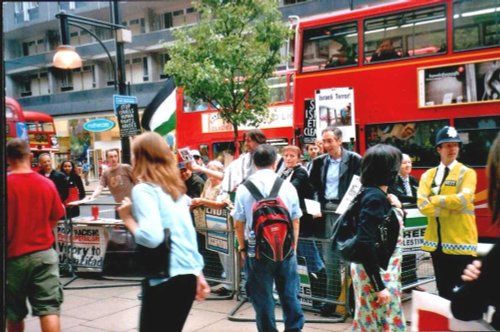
(277, 89)
(477, 135)
(223, 151)
(408, 34)
(476, 24)
(414, 138)
(330, 47)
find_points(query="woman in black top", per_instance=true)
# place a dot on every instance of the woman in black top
(482, 287)
(377, 288)
(76, 189)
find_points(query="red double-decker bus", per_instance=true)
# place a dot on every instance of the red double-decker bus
(397, 73)
(42, 135)
(35, 127)
(200, 127)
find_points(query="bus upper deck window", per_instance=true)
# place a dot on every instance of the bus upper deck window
(476, 24)
(406, 34)
(330, 46)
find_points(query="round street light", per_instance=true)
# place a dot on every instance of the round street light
(66, 58)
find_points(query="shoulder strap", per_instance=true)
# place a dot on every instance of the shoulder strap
(254, 191)
(276, 187)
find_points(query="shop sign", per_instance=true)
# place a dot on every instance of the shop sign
(98, 125)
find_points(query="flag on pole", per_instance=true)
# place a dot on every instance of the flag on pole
(159, 115)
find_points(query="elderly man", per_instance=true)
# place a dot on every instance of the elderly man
(62, 185)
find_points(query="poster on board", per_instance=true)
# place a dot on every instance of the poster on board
(335, 107)
(459, 83)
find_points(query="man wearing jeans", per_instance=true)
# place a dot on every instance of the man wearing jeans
(32, 266)
(262, 272)
(330, 177)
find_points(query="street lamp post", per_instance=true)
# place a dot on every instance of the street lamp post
(66, 57)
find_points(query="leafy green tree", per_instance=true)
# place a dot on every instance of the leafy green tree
(226, 59)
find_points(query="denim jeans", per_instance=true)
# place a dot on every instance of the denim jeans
(260, 274)
(307, 248)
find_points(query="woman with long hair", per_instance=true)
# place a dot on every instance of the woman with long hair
(158, 202)
(75, 185)
(482, 289)
(377, 287)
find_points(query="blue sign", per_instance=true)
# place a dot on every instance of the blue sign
(98, 125)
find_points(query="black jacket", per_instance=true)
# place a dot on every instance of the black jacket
(398, 189)
(350, 165)
(300, 180)
(473, 299)
(59, 180)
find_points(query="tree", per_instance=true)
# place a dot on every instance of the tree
(226, 59)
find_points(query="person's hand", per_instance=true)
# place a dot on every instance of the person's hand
(202, 288)
(317, 215)
(472, 271)
(243, 258)
(394, 201)
(125, 209)
(196, 202)
(383, 297)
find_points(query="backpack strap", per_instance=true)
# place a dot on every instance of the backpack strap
(254, 191)
(276, 187)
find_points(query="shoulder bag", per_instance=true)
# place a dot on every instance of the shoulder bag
(124, 258)
(347, 241)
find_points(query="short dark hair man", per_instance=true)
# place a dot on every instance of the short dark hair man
(262, 272)
(33, 211)
(446, 197)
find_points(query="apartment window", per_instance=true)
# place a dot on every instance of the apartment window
(66, 5)
(190, 10)
(26, 11)
(292, 2)
(34, 46)
(26, 87)
(163, 61)
(168, 21)
(66, 80)
(145, 70)
(84, 78)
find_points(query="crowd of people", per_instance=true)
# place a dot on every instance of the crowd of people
(158, 192)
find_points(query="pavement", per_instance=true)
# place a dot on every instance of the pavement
(93, 304)
(117, 309)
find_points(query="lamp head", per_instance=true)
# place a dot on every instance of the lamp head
(66, 58)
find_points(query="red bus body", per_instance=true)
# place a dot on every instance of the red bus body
(199, 127)
(399, 92)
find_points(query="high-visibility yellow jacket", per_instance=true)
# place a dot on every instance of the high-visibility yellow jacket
(449, 211)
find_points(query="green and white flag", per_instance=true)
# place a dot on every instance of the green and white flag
(159, 115)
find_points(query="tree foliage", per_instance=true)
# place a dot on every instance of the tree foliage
(227, 57)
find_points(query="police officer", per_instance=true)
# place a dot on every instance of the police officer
(446, 196)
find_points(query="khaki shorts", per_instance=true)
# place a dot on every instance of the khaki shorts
(34, 277)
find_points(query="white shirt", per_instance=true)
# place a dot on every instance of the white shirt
(440, 172)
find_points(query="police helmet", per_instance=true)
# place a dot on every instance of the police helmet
(447, 134)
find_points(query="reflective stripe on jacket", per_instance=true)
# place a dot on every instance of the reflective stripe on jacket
(450, 211)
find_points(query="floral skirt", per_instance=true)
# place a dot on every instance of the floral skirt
(370, 316)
